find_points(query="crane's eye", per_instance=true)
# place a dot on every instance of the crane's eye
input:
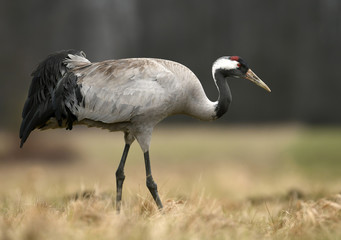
(238, 65)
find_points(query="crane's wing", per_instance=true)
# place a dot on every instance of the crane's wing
(119, 90)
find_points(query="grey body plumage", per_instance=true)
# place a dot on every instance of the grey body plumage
(129, 95)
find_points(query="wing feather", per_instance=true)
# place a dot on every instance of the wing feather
(118, 91)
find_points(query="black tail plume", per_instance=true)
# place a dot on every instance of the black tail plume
(38, 108)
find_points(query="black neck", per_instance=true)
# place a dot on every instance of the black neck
(225, 96)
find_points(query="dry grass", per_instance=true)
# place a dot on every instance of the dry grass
(216, 183)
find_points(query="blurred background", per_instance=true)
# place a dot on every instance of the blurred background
(294, 46)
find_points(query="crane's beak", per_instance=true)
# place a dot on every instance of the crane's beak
(250, 75)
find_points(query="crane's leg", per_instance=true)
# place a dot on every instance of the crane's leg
(150, 181)
(120, 177)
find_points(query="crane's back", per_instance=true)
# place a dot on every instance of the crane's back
(133, 89)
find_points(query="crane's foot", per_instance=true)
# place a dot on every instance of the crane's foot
(119, 184)
(118, 207)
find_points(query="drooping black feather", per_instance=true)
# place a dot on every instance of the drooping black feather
(39, 107)
(67, 93)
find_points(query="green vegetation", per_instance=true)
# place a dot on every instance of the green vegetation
(318, 152)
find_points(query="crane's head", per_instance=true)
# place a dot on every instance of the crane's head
(234, 66)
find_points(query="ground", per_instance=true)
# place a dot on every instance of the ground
(216, 182)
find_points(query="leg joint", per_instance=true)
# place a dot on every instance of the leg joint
(150, 183)
(120, 175)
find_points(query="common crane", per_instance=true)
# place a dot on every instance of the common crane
(129, 95)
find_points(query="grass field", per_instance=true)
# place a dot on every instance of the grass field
(235, 182)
